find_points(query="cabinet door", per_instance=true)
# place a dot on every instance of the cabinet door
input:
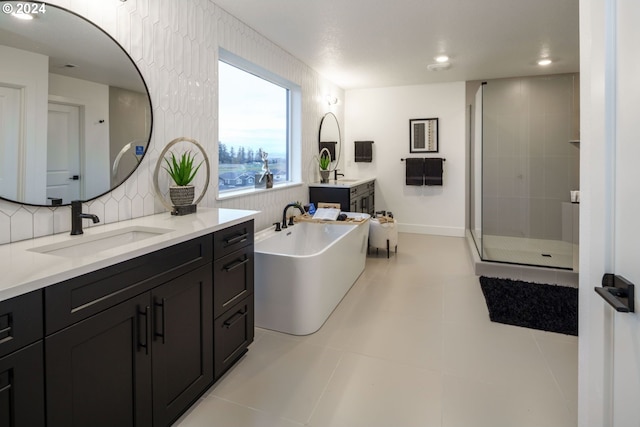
(20, 321)
(22, 388)
(364, 204)
(233, 332)
(182, 343)
(233, 276)
(98, 371)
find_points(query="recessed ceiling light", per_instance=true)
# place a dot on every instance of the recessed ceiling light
(544, 62)
(441, 58)
(23, 16)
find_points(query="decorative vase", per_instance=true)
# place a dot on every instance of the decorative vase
(324, 174)
(182, 195)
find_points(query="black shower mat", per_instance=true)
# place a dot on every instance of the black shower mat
(532, 305)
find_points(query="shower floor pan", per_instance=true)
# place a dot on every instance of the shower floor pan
(527, 251)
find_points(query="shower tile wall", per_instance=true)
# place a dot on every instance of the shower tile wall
(175, 46)
(529, 166)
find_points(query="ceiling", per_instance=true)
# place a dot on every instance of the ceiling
(377, 43)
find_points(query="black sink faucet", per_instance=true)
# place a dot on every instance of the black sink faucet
(77, 216)
(284, 213)
(335, 174)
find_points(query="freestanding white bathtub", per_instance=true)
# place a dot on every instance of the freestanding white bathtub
(304, 271)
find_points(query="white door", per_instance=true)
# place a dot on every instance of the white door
(610, 346)
(10, 143)
(63, 153)
(626, 260)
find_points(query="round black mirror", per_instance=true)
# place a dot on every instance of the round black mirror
(329, 137)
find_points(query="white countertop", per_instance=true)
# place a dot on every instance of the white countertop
(343, 183)
(22, 270)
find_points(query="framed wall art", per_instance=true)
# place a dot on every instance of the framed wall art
(423, 135)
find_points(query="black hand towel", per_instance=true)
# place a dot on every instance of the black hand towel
(415, 171)
(433, 171)
(364, 151)
(331, 146)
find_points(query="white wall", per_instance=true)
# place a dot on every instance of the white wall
(93, 100)
(175, 46)
(382, 115)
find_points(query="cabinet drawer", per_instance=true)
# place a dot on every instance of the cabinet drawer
(20, 321)
(78, 298)
(233, 332)
(22, 388)
(232, 279)
(232, 238)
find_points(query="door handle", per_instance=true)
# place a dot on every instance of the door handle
(235, 264)
(618, 292)
(237, 239)
(144, 313)
(235, 318)
(74, 177)
(156, 334)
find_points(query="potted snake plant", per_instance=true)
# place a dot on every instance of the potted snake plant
(324, 162)
(182, 172)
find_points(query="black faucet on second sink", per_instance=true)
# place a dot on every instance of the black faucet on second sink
(284, 213)
(77, 216)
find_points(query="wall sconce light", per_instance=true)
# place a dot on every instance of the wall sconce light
(331, 100)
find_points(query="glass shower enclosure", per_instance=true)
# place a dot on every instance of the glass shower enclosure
(524, 163)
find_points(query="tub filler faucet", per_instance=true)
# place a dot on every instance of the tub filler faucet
(77, 216)
(284, 213)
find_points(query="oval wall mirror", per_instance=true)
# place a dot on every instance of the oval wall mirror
(77, 114)
(329, 137)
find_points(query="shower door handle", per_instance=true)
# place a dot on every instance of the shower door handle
(618, 292)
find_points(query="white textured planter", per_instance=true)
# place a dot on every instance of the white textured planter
(182, 195)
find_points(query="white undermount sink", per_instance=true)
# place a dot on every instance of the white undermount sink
(94, 243)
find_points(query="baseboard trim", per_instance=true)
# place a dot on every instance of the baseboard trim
(430, 229)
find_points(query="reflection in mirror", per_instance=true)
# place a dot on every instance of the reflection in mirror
(76, 114)
(329, 137)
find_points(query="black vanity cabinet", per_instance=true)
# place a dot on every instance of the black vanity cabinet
(131, 344)
(22, 402)
(359, 198)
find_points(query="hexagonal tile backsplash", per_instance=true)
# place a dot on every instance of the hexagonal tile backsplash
(175, 46)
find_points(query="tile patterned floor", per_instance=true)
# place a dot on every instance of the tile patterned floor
(411, 344)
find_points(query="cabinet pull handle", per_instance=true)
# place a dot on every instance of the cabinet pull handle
(156, 334)
(144, 313)
(235, 319)
(235, 264)
(238, 239)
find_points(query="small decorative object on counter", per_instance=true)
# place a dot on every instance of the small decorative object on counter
(324, 162)
(264, 180)
(182, 170)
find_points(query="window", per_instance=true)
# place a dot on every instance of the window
(254, 116)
